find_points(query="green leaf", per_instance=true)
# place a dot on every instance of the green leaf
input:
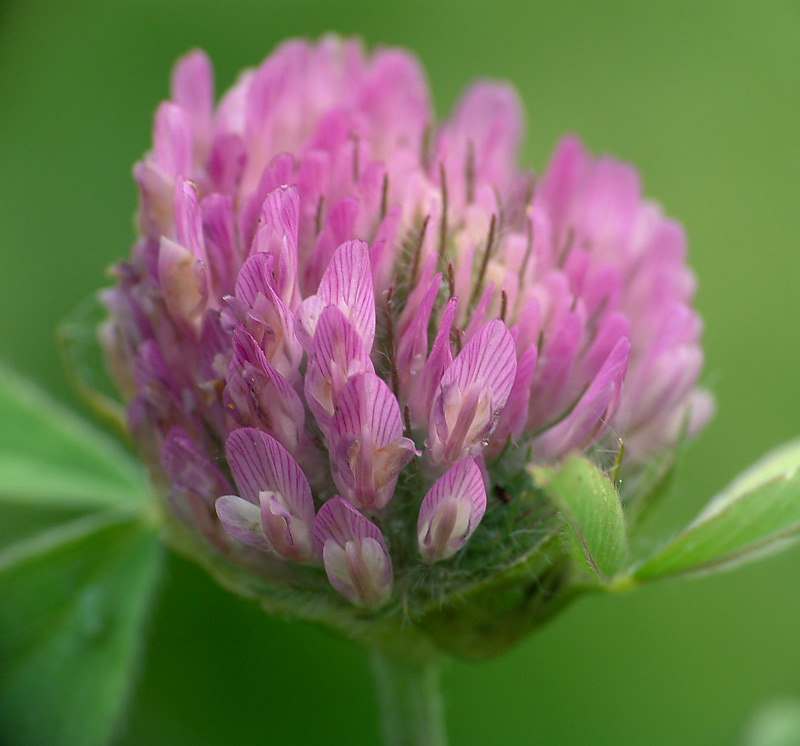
(776, 723)
(758, 512)
(50, 455)
(594, 523)
(72, 602)
(84, 359)
(78, 565)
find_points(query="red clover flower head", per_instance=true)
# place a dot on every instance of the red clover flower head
(345, 328)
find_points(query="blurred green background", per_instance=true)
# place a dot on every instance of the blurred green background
(703, 96)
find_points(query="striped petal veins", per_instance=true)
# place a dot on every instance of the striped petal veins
(341, 321)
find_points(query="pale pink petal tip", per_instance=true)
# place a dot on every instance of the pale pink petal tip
(355, 555)
(451, 511)
(242, 521)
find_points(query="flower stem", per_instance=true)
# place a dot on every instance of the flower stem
(410, 701)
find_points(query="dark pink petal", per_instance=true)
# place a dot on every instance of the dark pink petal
(195, 482)
(187, 467)
(515, 414)
(412, 345)
(478, 314)
(451, 511)
(257, 395)
(279, 172)
(368, 449)
(220, 242)
(613, 327)
(354, 552)
(383, 251)
(226, 163)
(439, 360)
(590, 418)
(338, 228)
(553, 372)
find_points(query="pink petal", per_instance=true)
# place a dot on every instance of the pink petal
(590, 418)
(257, 395)
(188, 225)
(439, 360)
(472, 393)
(395, 98)
(347, 284)
(242, 521)
(268, 476)
(277, 235)
(338, 354)
(187, 467)
(412, 345)
(265, 315)
(193, 90)
(183, 281)
(220, 241)
(354, 552)
(515, 414)
(172, 140)
(451, 511)
(368, 449)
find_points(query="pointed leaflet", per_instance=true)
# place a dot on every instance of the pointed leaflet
(72, 603)
(758, 512)
(594, 525)
(73, 594)
(51, 456)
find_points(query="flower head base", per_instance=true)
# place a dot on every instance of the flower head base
(368, 323)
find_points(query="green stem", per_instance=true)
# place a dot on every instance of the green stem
(410, 702)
